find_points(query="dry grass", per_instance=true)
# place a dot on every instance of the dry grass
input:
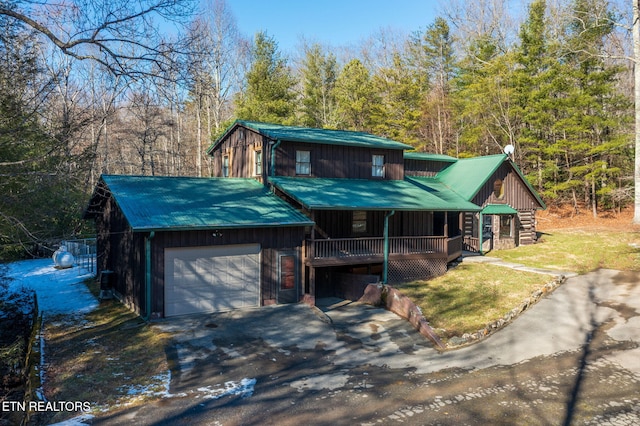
(579, 250)
(470, 296)
(102, 357)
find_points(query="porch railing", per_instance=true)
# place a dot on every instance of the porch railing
(471, 244)
(454, 247)
(374, 246)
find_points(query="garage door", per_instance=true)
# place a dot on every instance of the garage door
(211, 279)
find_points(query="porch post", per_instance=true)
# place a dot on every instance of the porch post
(446, 233)
(480, 227)
(385, 264)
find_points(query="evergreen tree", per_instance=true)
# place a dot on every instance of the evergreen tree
(356, 97)
(39, 199)
(538, 84)
(269, 94)
(589, 144)
(398, 114)
(319, 74)
(432, 57)
(483, 100)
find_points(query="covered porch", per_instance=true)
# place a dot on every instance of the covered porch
(345, 251)
(384, 230)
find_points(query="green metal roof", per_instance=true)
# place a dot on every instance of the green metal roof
(185, 203)
(425, 156)
(365, 194)
(467, 175)
(499, 209)
(312, 135)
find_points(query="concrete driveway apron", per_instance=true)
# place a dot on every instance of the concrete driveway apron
(285, 364)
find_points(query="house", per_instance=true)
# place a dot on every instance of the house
(294, 214)
(493, 182)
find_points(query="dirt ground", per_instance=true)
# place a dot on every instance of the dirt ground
(565, 217)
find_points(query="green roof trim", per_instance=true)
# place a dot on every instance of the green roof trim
(314, 135)
(425, 156)
(367, 194)
(188, 203)
(499, 209)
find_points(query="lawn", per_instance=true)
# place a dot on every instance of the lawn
(470, 296)
(110, 358)
(579, 251)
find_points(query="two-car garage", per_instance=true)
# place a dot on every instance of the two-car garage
(211, 279)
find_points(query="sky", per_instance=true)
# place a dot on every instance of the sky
(335, 23)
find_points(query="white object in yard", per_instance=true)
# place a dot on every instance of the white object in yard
(62, 258)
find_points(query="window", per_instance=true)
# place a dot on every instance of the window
(359, 224)
(303, 162)
(287, 272)
(377, 166)
(257, 162)
(225, 165)
(498, 189)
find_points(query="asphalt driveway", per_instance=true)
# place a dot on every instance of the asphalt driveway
(572, 358)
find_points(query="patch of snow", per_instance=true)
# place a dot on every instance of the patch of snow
(325, 381)
(76, 421)
(244, 389)
(60, 291)
(152, 389)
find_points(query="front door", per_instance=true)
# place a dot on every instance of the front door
(288, 278)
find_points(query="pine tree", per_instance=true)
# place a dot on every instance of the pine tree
(319, 74)
(398, 115)
(590, 142)
(483, 98)
(432, 57)
(356, 97)
(269, 94)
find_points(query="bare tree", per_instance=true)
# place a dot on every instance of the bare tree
(636, 92)
(213, 72)
(124, 36)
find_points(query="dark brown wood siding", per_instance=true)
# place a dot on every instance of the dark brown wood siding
(327, 160)
(338, 224)
(338, 161)
(516, 193)
(424, 167)
(122, 251)
(240, 146)
(272, 241)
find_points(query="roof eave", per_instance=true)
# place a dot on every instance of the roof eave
(222, 226)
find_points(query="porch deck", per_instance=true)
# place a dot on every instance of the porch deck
(346, 251)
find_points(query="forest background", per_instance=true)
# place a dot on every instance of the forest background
(90, 88)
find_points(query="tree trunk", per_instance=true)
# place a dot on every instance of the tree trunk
(636, 72)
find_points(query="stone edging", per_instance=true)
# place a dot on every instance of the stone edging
(470, 338)
(393, 300)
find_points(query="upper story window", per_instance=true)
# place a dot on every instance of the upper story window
(226, 163)
(303, 162)
(257, 162)
(377, 165)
